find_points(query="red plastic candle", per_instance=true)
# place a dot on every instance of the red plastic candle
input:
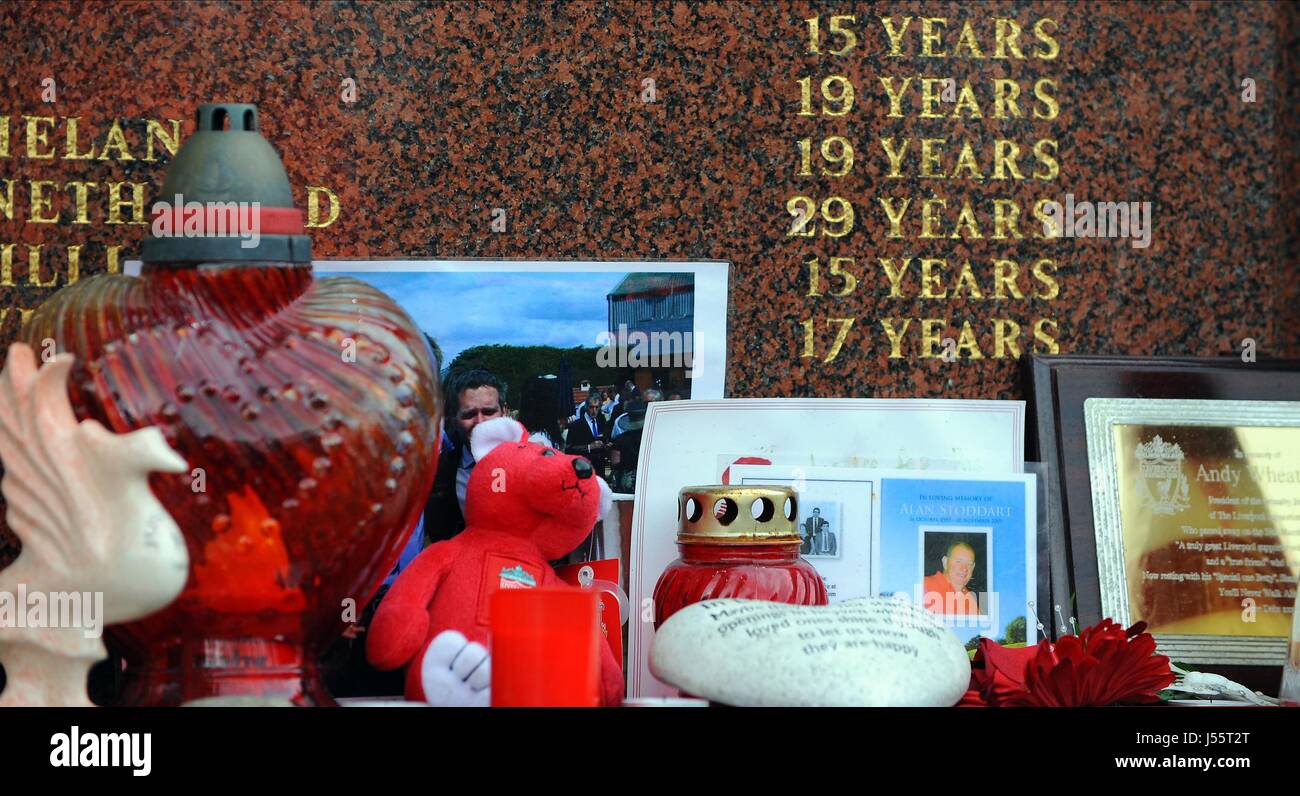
(545, 648)
(739, 542)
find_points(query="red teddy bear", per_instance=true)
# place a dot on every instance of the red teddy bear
(526, 505)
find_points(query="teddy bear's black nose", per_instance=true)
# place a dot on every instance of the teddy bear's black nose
(582, 467)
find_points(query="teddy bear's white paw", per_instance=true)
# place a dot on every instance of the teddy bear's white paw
(456, 672)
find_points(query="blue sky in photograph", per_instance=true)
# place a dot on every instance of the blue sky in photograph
(462, 310)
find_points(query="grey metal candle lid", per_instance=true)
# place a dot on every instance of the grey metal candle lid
(217, 166)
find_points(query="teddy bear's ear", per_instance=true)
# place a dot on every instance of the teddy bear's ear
(491, 433)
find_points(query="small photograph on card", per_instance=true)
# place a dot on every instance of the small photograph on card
(820, 529)
(833, 520)
(955, 567)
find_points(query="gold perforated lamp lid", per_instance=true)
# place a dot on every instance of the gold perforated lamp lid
(749, 514)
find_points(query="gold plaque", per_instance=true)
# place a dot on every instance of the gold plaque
(1197, 510)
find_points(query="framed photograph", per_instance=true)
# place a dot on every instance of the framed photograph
(1197, 511)
(1057, 387)
(659, 324)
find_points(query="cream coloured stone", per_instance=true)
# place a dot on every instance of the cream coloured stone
(870, 652)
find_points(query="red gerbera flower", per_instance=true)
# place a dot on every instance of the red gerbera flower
(1104, 665)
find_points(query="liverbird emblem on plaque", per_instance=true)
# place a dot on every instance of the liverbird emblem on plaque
(1162, 487)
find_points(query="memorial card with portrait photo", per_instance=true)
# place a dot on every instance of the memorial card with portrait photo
(965, 548)
(962, 545)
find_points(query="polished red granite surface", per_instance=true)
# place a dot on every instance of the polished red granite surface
(539, 109)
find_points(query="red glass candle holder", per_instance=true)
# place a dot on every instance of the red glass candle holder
(737, 542)
(307, 409)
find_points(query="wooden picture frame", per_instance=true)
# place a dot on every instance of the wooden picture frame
(1056, 387)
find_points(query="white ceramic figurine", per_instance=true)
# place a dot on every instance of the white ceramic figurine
(97, 546)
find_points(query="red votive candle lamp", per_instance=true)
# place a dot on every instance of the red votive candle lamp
(737, 542)
(545, 648)
(308, 411)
